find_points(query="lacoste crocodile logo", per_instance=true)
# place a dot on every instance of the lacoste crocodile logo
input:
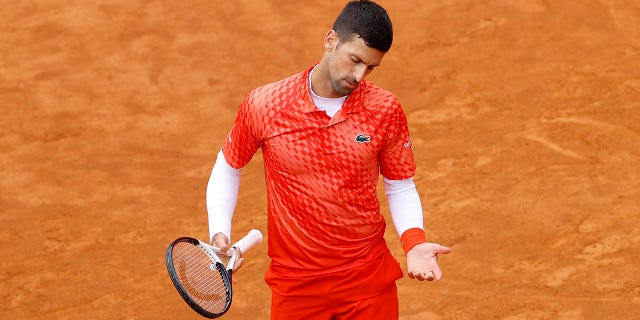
(363, 138)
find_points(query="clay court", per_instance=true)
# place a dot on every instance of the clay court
(525, 117)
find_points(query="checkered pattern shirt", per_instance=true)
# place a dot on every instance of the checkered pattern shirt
(321, 172)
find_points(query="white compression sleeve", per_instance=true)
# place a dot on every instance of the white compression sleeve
(404, 204)
(222, 196)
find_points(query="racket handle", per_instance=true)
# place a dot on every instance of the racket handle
(253, 238)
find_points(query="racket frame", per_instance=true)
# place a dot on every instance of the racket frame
(212, 252)
(253, 238)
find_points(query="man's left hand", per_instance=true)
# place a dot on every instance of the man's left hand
(422, 261)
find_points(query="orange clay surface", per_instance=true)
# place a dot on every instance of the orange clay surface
(525, 115)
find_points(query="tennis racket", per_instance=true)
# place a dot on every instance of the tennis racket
(200, 275)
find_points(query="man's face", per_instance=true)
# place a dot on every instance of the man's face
(349, 63)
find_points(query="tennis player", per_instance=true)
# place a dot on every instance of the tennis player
(326, 136)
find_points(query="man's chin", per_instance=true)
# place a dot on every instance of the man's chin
(343, 91)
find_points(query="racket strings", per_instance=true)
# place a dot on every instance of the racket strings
(202, 280)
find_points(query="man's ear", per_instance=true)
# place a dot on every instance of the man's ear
(331, 40)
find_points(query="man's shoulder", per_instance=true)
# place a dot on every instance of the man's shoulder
(281, 89)
(373, 91)
(267, 101)
(376, 97)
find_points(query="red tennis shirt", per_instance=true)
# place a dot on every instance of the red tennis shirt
(321, 172)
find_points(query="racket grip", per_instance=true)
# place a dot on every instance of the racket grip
(253, 238)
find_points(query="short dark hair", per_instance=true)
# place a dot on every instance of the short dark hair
(369, 21)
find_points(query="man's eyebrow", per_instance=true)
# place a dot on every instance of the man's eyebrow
(360, 59)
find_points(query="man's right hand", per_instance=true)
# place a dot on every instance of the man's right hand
(222, 242)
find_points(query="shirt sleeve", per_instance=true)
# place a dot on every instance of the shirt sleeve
(241, 144)
(245, 137)
(396, 158)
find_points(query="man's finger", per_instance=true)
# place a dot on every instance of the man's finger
(430, 276)
(238, 264)
(437, 273)
(236, 267)
(440, 249)
(417, 275)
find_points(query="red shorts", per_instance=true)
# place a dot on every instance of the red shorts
(383, 306)
(366, 292)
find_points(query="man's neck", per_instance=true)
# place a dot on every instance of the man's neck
(321, 84)
(329, 105)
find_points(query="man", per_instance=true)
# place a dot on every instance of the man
(326, 135)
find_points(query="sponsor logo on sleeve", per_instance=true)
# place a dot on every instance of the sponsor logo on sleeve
(408, 145)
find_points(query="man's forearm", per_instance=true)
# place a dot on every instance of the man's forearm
(222, 196)
(406, 211)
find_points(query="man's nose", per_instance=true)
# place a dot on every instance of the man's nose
(359, 72)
